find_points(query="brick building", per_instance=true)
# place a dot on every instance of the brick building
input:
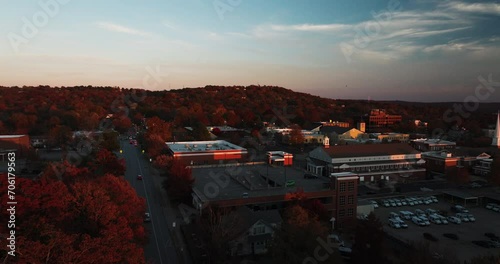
(379, 118)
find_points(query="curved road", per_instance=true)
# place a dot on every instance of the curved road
(160, 248)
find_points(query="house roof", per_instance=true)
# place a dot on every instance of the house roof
(363, 150)
(336, 129)
(249, 217)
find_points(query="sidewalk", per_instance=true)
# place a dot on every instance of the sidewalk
(172, 215)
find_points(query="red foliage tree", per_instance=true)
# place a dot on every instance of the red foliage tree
(179, 182)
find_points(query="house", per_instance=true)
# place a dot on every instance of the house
(253, 230)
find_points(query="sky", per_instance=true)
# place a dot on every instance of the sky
(420, 50)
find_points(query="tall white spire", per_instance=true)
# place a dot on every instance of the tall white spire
(496, 136)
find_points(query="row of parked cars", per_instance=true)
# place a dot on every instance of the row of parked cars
(425, 218)
(494, 207)
(411, 201)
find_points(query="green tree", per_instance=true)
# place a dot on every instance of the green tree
(200, 131)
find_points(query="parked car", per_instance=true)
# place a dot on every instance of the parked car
(453, 219)
(425, 220)
(430, 237)
(490, 206)
(402, 224)
(430, 211)
(394, 223)
(406, 215)
(444, 221)
(459, 209)
(485, 243)
(451, 236)
(375, 204)
(435, 219)
(434, 199)
(419, 212)
(393, 215)
(462, 217)
(471, 217)
(418, 221)
(496, 208)
(139, 177)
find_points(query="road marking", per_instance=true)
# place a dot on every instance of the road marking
(149, 208)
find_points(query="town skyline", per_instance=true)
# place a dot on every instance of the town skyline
(424, 51)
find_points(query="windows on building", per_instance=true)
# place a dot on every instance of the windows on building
(350, 212)
(342, 200)
(350, 186)
(350, 199)
(342, 187)
(342, 212)
(260, 229)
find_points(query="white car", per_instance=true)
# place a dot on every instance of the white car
(444, 221)
(462, 217)
(435, 219)
(394, 223)
(375, 204)
(490, 206)
(147, 217)
(454, 220)
(425, 220)
(402, 224)
(471, 217)
(434, 199)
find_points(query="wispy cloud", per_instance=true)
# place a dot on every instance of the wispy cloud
(310, 27)
(484, 8)
(122, 29)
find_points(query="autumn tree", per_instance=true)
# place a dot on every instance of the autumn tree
(200, 131)
(59, 136)
(369, 242)
(109, 140)
(179, 182)
(106, 162)
(299, 237)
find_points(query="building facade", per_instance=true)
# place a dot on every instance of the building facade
(379, 118)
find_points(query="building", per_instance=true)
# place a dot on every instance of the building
(20, 144)
(339, 134)
(206, 152)
(379, 118)
(265, 187)
(424, 144)
(483, 167)
(391, 137)
(394, 161)
(496, 136)
(279, 158)
(253, 230)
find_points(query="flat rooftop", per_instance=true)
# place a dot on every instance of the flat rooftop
(11, 136)
(434, 141)
(255, 180)
(195, 146)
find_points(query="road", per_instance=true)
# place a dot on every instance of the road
(161, 248)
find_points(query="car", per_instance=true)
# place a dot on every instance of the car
(290, 183)
(444, 221)
(471, 217)
(451, 236)
(387, 204)
(139, 177)
(434, 199)
(453, 219)
(310, 176)
(394, 224)
(490, 206)
(418, 221)
(335, 239)
(463, 217)
(427, 201)
(147, 217)
(459, 209)
(430, 211)
(398, 202)
(435, 219)
(404, 203)
(430, 237)
(375, 204)
(419, 212)
(425, 220)
(496, 208)
(406, 215)
(393, 215)
(402, 224)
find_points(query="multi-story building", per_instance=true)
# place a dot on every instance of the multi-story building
(206, 152)
(394, 161)
(390, 137)
(379, 118)
(267, 187)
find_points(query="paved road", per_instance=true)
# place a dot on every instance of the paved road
(160, 249)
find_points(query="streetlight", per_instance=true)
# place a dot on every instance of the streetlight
(333, 223)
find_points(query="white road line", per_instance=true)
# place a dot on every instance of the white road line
(149, 208)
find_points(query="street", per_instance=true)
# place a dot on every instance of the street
(160, 248)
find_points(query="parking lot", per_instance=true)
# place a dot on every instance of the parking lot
(487, 221)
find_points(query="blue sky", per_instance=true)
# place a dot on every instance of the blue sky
(421, 50)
